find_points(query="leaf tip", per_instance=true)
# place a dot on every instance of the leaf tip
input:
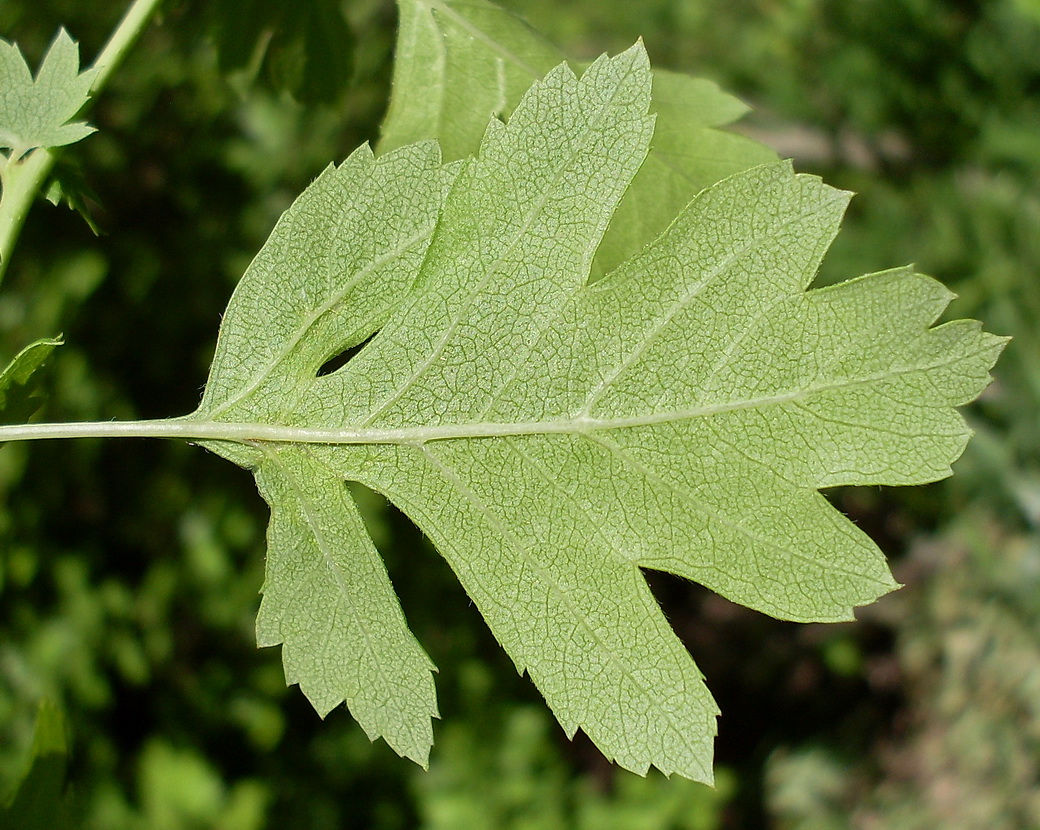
(64, 48)
(638, 52)
(63, 40)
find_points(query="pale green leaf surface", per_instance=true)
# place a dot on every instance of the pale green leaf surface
(461, 62)
(37, 113)
(688, 153)
(339, 260)
(553, 435)
(328, 599)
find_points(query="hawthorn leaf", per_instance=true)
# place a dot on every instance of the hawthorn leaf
(553, 435)
(688, 153)
(460, 62)
(38, 113)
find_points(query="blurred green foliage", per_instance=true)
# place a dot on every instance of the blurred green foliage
(40, 800)
(129, 570)
(966, 753)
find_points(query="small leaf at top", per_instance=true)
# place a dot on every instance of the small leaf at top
(37, 113)
(553, 436)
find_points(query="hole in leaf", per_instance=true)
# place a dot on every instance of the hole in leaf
(341, 359)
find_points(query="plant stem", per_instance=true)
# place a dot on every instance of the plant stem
(192, 429)
(182, 429)
(22, 178)
(121, 40)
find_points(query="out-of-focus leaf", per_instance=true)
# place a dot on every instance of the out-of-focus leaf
(40, 802)
(68, 185)
(456, 66)
(305, 49)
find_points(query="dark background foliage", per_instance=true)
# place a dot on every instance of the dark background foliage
(129, 570)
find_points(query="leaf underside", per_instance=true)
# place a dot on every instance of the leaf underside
(459, 63)
(553, 435)
(38, 112)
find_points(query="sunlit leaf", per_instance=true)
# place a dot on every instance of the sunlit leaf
(554, 436)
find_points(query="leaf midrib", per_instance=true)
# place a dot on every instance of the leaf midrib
(256, 433)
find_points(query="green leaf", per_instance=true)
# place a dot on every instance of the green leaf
(68, 184)
(37, 113)
(456, 66)
(553, 436)
(18, 380)
(688, 153)
(460, 63)
(40, 802)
